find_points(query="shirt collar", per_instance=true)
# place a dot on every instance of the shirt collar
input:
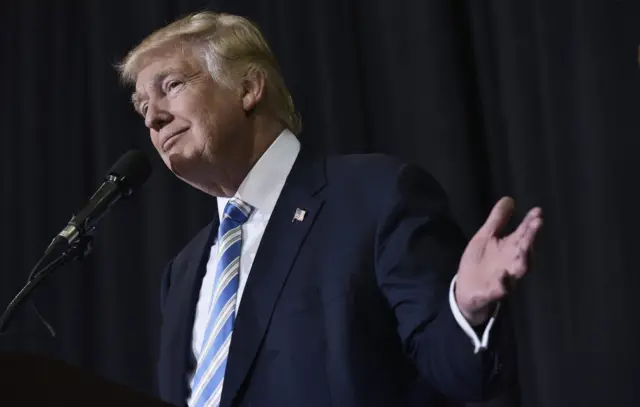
(264, 182)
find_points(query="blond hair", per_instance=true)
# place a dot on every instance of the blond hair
(230, 47)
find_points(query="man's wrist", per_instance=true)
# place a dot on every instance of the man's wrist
(474, 318)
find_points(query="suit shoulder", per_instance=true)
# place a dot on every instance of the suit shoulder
(376, 162)
(380, 181)
(185, 255)
(377, 170)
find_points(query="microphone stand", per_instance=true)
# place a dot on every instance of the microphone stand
(78, 250)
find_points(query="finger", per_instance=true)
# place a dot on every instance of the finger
(498, 217)
(519, 242)
(518, 268)
(526, 241)
(524, 225)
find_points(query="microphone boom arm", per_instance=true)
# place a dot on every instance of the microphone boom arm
(77, 251)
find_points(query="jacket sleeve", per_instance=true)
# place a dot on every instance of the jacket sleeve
(418, 248)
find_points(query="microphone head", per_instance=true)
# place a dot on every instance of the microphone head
(131, 171)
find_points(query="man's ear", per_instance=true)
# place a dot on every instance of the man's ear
(253, 89)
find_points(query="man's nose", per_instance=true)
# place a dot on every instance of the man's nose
(157, 117)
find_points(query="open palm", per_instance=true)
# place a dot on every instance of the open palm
(490, 263)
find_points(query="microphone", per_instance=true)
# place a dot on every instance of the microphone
(73, 242)
(125, 177)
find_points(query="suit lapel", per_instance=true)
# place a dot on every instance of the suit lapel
(278, 250)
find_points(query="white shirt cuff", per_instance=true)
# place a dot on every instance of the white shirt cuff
(479, 344)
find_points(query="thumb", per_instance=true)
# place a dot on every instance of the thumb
(498, 217)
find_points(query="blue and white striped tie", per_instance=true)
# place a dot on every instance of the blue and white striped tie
(209, 374)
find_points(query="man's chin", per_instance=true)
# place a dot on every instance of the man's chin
(189, 170)
(179, 164)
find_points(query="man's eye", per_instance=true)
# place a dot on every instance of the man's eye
(172, 85)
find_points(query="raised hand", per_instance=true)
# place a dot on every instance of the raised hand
(491, 264)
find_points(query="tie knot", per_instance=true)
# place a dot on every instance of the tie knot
(237, 210)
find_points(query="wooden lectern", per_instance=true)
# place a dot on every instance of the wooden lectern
(32, 380)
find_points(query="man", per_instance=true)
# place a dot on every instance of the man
(321, 281)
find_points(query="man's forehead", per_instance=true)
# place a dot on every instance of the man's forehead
(155, 68)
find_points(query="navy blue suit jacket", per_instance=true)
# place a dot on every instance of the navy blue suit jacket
(348, 307)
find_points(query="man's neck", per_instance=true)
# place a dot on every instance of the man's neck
(263, 138)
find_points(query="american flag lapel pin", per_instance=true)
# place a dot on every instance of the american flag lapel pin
(299, 215)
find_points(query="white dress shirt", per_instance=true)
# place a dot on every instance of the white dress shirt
(261, 189)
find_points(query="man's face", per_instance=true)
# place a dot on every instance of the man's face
(194, 122)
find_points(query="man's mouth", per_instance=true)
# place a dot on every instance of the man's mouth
(171, 140)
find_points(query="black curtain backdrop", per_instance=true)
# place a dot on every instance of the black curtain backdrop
(535, 99)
